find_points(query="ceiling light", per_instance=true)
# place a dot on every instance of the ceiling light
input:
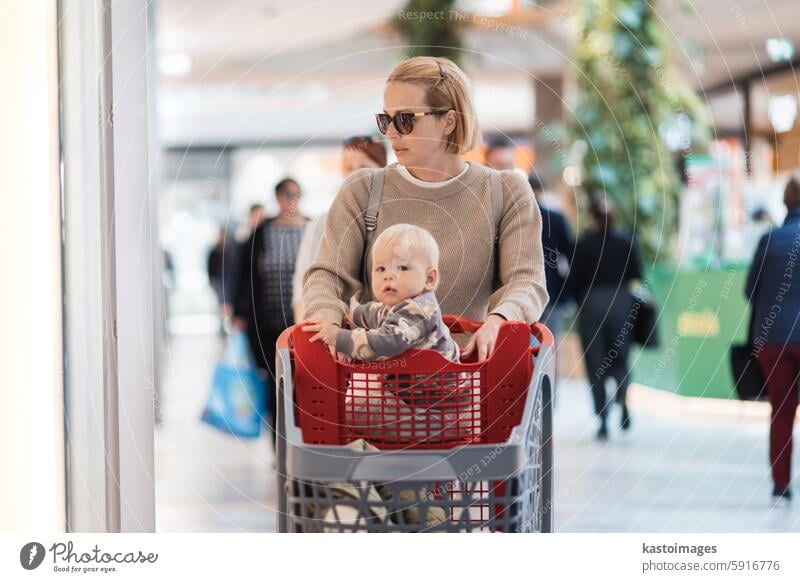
(175, 65)
(782, 112)
(780, 49)
(485, 7)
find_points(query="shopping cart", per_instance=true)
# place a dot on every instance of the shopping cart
(416, 443)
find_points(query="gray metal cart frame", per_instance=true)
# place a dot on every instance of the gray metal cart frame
(504, 487)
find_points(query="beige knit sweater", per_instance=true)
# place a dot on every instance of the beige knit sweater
(460, 218)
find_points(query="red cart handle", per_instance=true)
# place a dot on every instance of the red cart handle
(459, 324)
(456, 324)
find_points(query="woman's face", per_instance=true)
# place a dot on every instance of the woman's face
(288, 198)
(428, 138)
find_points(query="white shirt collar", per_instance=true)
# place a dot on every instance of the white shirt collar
(403, 171)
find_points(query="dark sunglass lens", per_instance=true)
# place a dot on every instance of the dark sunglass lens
(404, 122)
(383, 122)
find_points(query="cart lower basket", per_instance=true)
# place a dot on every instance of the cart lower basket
(484, 464)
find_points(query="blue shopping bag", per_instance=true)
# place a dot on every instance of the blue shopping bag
(237, 398)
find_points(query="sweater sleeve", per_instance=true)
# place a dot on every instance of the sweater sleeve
(367, 315)
(523, 292)
(333, 276)
(405, 328)
(755, 269)
(305, 255)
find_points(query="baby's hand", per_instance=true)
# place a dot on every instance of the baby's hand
(326, 331)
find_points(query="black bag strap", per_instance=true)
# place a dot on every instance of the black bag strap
(371, 218)
(497, 211)
(374, 204)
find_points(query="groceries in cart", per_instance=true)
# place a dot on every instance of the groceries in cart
(404, 316)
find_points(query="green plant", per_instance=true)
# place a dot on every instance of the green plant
(430, 29)
(627, 95)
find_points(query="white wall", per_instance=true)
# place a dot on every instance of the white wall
(135, 229)
(32, 478)
(298, 110)
(109, 265)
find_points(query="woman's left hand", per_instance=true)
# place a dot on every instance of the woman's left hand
(484, 338)
(326, 331)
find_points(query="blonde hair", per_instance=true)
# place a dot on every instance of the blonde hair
(446, 87)
(412, 239)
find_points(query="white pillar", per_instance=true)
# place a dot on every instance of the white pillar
(32, 477)
(109, 265)
(135, 229)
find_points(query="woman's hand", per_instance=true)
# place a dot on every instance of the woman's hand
(326, 330)
(484, 338)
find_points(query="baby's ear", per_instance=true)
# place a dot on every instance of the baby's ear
(431, 278)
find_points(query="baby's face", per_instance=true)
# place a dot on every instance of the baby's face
(400, 273)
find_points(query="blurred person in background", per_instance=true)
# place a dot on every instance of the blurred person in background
(775, 300)
(361, 151)
(558, 247)
(605, 265)
(263, 303)
(255, 216)
(499, 154)
(221, 268)
(763, 219)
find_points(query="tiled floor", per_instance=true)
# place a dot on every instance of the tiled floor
(674, 471)
(206, 481)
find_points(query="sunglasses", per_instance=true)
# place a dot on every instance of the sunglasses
(403, 121)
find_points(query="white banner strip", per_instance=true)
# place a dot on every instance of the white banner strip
(246, 557)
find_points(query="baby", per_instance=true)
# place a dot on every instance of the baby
(406, 314)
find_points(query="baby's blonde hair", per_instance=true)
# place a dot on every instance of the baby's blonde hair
(412, 238)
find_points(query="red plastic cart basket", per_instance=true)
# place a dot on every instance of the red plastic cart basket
(416, 442)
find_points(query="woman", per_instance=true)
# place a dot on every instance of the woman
(263, 305)
(361, 151)
(428, 117)
(606, 262)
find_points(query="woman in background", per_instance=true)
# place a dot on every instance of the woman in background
(263, 305)
(606, 262)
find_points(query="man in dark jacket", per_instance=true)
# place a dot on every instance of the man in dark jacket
(558, 247)
(775, 296)
(222, 274)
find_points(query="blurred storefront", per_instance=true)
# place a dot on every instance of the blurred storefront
(731, 198)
